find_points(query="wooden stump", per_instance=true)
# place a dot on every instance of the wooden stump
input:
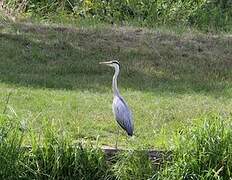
(155, 156)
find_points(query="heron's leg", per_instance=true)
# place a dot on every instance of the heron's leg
(130, 141)
(127, 140)
(116, 143)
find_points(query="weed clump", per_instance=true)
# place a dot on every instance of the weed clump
(202, 152)
(53, 157)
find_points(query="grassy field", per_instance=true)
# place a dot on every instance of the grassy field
(170, 78)
(56, 98)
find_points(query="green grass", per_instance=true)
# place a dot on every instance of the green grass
(52, 158)
(169, 78)
(202, 152)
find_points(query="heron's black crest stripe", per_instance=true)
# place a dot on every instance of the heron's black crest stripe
(116, 62)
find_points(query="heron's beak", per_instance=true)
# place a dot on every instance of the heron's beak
(106, 62)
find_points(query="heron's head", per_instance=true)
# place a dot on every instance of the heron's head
(113, 63)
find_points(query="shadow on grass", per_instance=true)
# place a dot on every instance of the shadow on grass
(67, 58)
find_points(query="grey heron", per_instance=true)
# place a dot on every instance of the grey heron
(121, 110)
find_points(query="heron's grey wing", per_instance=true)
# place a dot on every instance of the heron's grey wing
(123, 114)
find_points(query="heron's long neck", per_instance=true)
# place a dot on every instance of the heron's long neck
(114, 82)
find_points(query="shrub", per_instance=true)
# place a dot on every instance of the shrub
(202, 13)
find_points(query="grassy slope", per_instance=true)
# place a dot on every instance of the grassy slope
(168, 77)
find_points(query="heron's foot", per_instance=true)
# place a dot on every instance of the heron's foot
(131, 138)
